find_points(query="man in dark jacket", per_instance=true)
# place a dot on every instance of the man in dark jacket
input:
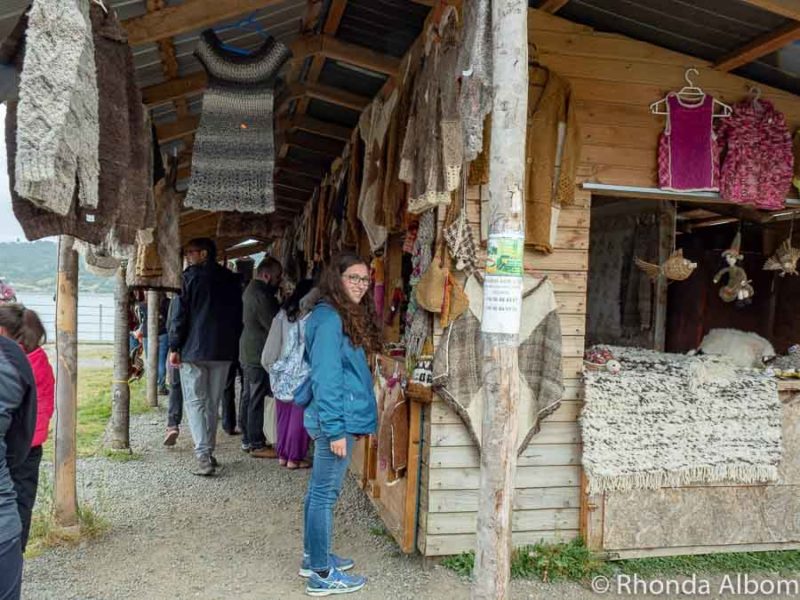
(203, 340)
(17, 423)
(260, 308)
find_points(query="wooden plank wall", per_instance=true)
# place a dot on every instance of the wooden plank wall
(614, 80)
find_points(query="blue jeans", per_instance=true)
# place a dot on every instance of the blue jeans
(11, 569)
(327, 477)
(163, 348)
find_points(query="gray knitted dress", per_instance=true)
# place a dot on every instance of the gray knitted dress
(234, 150)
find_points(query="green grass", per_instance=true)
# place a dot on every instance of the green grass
(784, 562)
(94, 409)
(121, 455)
(572, 561)
(44, 533)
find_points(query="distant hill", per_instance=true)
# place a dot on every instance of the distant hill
(32, 267)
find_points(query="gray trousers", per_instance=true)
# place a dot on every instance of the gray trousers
(203, 385)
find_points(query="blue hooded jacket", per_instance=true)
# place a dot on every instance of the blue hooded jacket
(343, 400)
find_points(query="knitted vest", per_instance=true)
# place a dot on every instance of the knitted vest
(234, 151)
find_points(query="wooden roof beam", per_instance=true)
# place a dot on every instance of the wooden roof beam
(328, 147)
(312, 125)
(168, 132)
(163, 93)
(552, 6)
(326, 93)
(170, 21)
(300, 168)
(761, 46)
(785, 8)
(336, 49)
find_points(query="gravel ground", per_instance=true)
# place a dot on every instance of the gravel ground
(238, 535)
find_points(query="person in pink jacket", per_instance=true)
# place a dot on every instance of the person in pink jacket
(24, 326)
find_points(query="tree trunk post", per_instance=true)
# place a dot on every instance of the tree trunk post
(120, 391)
(66, 497)
(502, 299)
(153, 301)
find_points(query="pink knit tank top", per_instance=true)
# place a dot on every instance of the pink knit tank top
(688, 156)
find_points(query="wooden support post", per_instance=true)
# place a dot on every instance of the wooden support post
(66, 496)
(120, 392)
(153, 301)
(503, 279)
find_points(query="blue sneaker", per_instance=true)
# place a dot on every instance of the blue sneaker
(337, 562)
(335, 583)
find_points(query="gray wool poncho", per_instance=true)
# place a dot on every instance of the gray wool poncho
(458, 362)
(234, 151)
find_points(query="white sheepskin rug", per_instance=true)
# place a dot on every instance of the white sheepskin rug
(671, 419)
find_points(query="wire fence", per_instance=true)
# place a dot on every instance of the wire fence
(95, 319)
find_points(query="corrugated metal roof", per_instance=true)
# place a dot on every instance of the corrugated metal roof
(352, 79)
(333, 113)
(386, 26)
(708, 30)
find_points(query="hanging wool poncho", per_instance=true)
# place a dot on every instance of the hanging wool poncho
(234, 151)
(457, 365)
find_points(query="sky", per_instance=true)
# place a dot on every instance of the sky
(10, 230)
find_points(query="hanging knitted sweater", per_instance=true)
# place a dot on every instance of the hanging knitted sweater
(433, 147)
(58, 126)
(233, 159)
(458, 363)
(757, 156)
(124, 185)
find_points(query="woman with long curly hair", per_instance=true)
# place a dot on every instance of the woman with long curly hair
(341, 332)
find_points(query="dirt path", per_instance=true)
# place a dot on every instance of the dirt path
(238, 535)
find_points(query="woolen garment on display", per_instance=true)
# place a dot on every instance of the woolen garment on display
(458, 362)
(233, 158)
(207, 319)
(475, 65)
(17, 426)
(688, 154)
(125, 194)
(58, 131)
(757, 159)
(354, 176)
(38, 222)
(390, 211)
(552, 149)
(158, 263)
(125, 135)
(250, 225)
(343, 400)
(393, 420)
(373, 125)
(432, 154)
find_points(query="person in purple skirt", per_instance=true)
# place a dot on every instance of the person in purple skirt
(293, 440)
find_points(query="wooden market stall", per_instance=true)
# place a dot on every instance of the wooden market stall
(347, 54)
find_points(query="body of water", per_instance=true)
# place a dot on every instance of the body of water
(95, 314)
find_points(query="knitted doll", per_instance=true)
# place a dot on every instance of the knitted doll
(738, 287)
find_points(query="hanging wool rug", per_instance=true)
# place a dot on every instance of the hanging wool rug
(672, 419)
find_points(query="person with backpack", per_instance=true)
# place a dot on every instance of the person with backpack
(282, 358)
(24, 327)
(339, 334)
